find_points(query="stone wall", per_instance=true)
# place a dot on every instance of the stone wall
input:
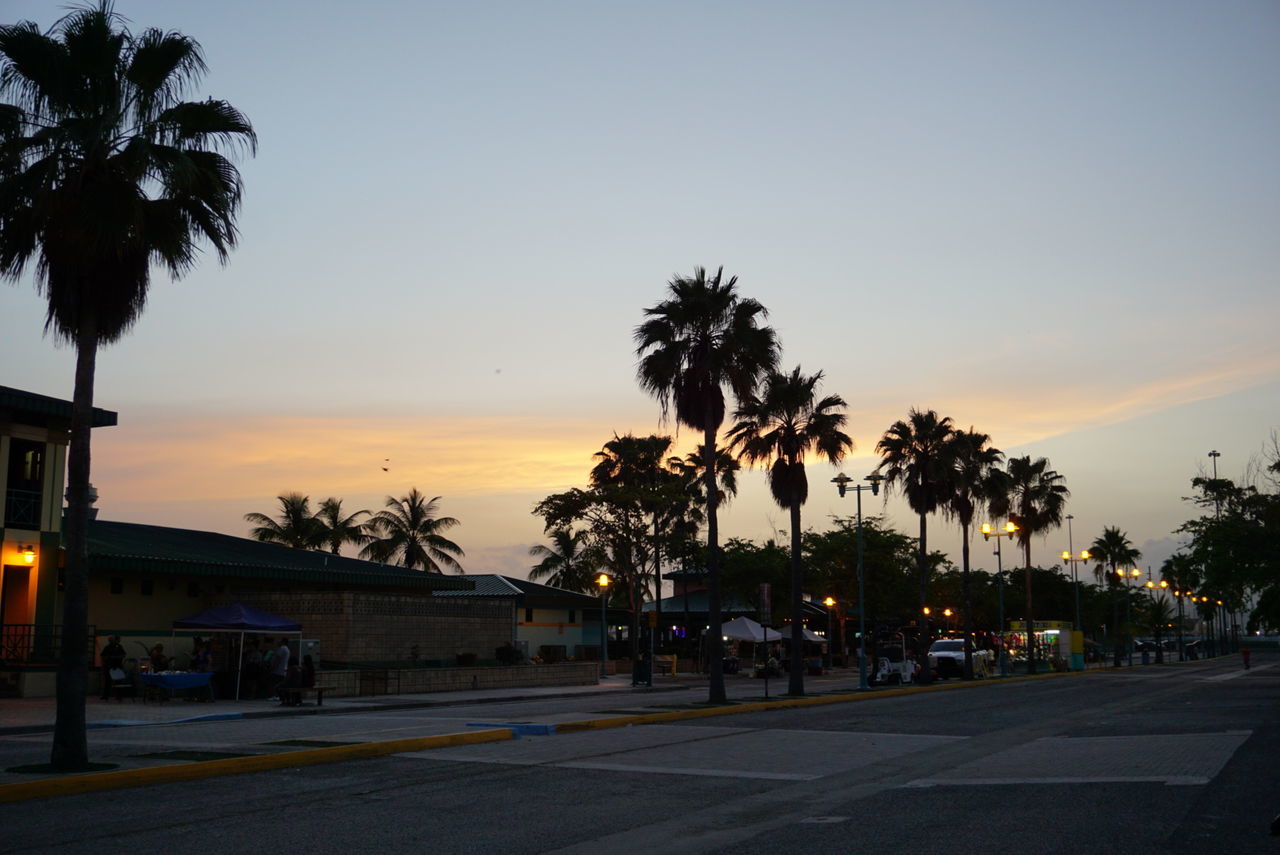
(410, 681)
(371, 628)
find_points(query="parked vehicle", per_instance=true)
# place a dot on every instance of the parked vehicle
(946, 659)
(894, 666)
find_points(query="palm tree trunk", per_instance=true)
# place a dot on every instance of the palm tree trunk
(1031, 623)
(968, 602)
(715, 643)
(926, 676)
(795, 684)
(70, 751)
(657, 584)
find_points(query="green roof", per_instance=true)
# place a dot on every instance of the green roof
(28, 408)
(133, 547)
(530, 594)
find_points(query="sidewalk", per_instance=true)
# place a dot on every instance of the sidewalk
(36, 715)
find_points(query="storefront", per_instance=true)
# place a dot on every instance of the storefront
(1056, 644)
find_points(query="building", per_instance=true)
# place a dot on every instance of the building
(144, 577)
(549, 623)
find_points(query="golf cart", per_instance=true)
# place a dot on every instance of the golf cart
(894, 666)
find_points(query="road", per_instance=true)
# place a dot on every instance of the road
(1173, 759)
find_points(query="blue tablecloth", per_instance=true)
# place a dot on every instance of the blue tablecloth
(178, 681)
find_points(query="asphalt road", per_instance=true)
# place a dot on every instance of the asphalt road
(1174, 759)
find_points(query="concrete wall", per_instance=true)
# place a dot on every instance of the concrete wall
(424, 680)
(370, 627)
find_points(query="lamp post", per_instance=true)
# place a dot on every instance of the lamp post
(1152, 587)
(1074, 560)
(1009, 531)
(842, 484)
(1128, 576)
(1217, 505)
(1000, 590)
(603, 581)
(830, 603)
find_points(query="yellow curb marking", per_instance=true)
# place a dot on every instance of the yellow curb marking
(96, 781)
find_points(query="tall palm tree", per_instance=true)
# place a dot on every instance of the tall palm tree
(569, 562)
(780, 426)
(104, 170)
(408, 533)
(337, 529)
(1113, 549)
(915, 459)
(703, 339)
(975, 477)
(294, 527)
(1034, 502)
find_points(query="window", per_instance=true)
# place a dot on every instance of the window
(147, 588)
(528, 615)
(193, 589)
(117, 586)
(573, 616)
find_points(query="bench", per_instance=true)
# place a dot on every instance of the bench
(292, 696)
(665, 664)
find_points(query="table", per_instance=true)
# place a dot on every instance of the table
(162, 686)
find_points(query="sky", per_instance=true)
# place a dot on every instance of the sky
(1055, 223)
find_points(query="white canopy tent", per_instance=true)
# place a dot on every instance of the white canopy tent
(745, 629)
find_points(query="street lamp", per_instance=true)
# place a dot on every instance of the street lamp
(842, 484)
(1128, 576)
(603, 581)
(1073, 560)
(830, 603)
(1009, 531)
(1152, 587)
(1217, 504)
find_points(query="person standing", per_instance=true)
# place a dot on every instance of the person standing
(280, 664)
(112, 660)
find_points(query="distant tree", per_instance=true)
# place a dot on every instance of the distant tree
(915, 460)
(569, 562)
(409, 533)
(295, 526)
(104, 171)
(780, 426)
(703, 339)
(338, 530)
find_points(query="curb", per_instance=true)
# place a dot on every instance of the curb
(97, 781)
(784, 703)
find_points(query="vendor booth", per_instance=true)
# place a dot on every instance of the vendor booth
(238, 620)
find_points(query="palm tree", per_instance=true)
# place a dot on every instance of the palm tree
(780, 426)
(1034, 503)
(295, 526)
(338, 530)
(975, 476)
(1114, 550)
(568, 563)
(916, 460)
(636, 471)
(408, 533)
(103, 171)
(703, 338)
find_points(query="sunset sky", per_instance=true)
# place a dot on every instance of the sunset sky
(1058, 223)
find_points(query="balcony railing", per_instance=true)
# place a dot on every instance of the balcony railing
(35, 644)
(21, 508)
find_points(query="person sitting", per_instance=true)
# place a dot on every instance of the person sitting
(112, 665)
(201, 657)
(292, 680)
(308, 672)
(158, 661)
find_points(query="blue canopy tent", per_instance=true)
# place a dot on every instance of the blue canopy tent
(238, 618)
